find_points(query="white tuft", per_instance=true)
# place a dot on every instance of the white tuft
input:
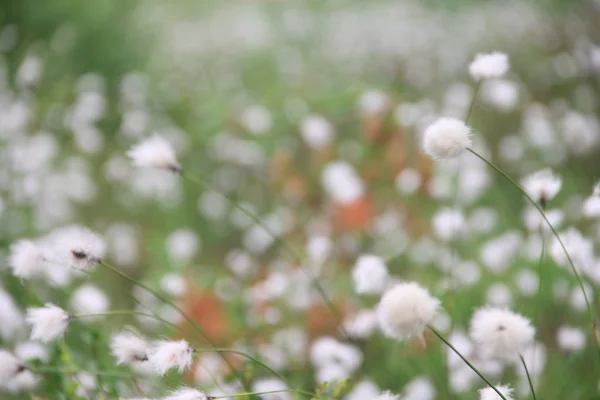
(186, 394)
(370, 274)
(405, 310)
(129, 348)
(154, 152)
(47, 323)
(10, 366)
(75, 247)
(490, 394)
(165, 355)
(488, 66)
(500, 333)
(446, 138)
(542, 186)
(26, 259)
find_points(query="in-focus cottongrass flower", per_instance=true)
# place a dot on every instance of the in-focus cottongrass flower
(47, 323)
(26, 259)
(500, 333)
(487, 66)
(542, 186)
(165, 355)
(490, 394)
(129, 348)
(75, 247)
(405, 310)
(370, 274)
(387, 395)
(154, 152)
(10, 366)
(446, 138)
(185, 394)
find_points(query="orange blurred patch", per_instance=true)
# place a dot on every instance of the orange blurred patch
(208, 312)
(354, 216)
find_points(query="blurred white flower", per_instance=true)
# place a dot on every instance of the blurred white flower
(10, 366)
(47, 323)
(185, 394)
(173, 284)
(370, 274)
(570, 338)
(316, 131)
(542, 186)
(405, 310)
(387, 395)
(75, 247)
(363, 390)
(490, 394)
(319, 248)
(591, 207)
(154, 152)
(361, 325)
(373, 102)
(165, 355)
(257, 120)
(269, 385)
(579, 248)
(448, 223)
(488, 66)
(500, 93)
(535, 222)
(183, 245)
(500, 333)
(342, 183)
(326, 351)
(88, 299)
(27, 351)
(446, 138)
(408, 181)
(11, 318)
(419, 388)
(26, 259)
(127, 348)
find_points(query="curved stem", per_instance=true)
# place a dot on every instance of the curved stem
(536, 205)
(528, 376)
(298, 391)
(278, 241)
(178, 309)
(243, 354)
(473, 100)
(447, 343)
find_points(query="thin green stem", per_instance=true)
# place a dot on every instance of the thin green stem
(298, 391)
(537, 206)
(538, 301)
(243, 354)
(473, 100)
(528, 377)
(278, 241)
(178, 309)
(447, 343)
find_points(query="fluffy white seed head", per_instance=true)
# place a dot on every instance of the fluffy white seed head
(405, 310)
(75, 247)
(446, 138)
(47, 323)
(488, 66)
(370, 274)
(542, 186)
(88, 299)
(490, 394)
(154, 152)
(129, 348)
(186, 394)
(165, 355)
(10, 366)
(501, 334)
(26, 259)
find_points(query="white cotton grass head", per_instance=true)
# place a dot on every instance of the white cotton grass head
(165, 355)
(500, 333)
(88, 299)
(31, 350)
(405, 310)
(342, 183)
(446, 138)
(542, 186)
(186, 394)
(26, 259)
(489, 393)
(12, 321)
(10, 366)
(75, 247)
(370, 274)
(47, 323)
(316, 131)
(128, 348)
(488, 66)
(387, 395)
(154, 152)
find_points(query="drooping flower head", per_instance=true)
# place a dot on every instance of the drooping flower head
(488, 66)
(47, 323)
(75, 247)
(542, 186)
(446, 138)
(499, 333)
(26, 259)
(490, 394)
(170, 354)
(129, 348)
(154, 152)
(405, 310)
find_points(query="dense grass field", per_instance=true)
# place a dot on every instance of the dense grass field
(271, 182)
